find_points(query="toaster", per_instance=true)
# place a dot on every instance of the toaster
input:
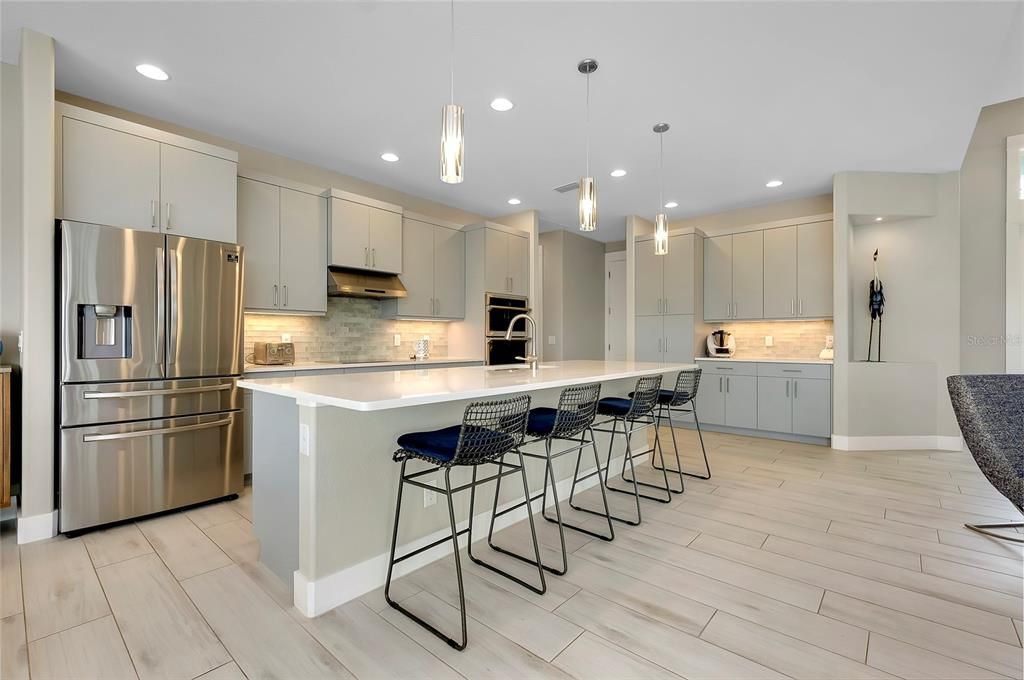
(273, 353)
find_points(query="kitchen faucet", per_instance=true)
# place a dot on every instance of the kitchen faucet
(531, 340)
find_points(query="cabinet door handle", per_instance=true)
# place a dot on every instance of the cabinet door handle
(666, 344)
(275, 295)
(373, 255)
(787, 389)
(168, 225)
(152, 214)
(366, 257)
(794, 389)
(792, 308)
(801, 306)
(719, 383)
(659, 344)
(285, 288)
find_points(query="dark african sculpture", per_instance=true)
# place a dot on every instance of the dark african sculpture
(876, 305)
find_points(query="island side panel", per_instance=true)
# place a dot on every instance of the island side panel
(275, 481)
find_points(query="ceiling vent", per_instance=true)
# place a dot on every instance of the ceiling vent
(566, 188)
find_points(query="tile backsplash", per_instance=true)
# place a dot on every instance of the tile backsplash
(792, 339)
(352, 331)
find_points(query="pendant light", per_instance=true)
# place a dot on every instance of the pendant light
(588, 189)
(453, 141)
(660, 220)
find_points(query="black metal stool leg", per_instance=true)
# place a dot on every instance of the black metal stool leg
(458, 565)
(637, 484)
(679, 464)
(662, 408)
(550, 474)
(572, 493)
(700, 436)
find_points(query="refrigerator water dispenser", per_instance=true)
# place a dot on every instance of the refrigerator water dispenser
(104, 331)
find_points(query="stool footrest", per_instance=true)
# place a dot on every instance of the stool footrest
(436, 543)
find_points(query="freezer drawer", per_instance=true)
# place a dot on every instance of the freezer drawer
(117, 402)
(110, 473)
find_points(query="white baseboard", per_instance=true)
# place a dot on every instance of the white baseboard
(37, 527)
(314, 598)
(897, 443)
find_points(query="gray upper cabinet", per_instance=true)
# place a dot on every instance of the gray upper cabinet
(664, 338)
(434, 272)
(507, 262)
(780, 273)
(814, 270)
(109, 177)
(365, 233)
(748, 275)
(122, 174)
(649, 280)
(284, 232)
(449, 273)
(303, 251)
(677, 286)
(198, 194)
(259, 232)
(718, 278)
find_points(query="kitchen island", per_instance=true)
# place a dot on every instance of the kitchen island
(324, 483)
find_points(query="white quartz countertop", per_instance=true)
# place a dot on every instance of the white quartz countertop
(381, 390)
(765, 360)
(327, 366)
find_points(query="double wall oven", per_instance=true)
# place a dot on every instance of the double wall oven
(499, 309)
(149, 334)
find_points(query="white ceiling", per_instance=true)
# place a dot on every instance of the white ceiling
(753, 91)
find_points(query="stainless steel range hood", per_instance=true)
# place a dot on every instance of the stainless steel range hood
(357, 283)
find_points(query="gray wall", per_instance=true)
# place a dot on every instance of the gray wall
(10, 211)
(573, 296)
(983, 238)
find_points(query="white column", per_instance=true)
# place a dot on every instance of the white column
(37, 519)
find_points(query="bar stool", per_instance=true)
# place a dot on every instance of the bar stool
(571, 421)
(636, 414)
(677, 401)
(489, 431)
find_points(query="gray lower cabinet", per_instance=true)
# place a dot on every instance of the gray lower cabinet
(785, 398)
(812, 407)
(741, 401)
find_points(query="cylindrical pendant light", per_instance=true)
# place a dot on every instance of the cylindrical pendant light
(453, 141)
(588, 188)
(661, 220)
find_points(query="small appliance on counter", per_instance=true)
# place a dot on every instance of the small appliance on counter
(721, 344)
(273, 353)
(829, 352)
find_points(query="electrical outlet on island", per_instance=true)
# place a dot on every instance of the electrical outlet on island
(429, 497)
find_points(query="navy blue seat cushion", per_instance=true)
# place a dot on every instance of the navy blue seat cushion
(614, 406)
(665, 396)
(440, 445)
(541, 421)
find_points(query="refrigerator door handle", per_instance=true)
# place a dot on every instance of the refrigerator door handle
(156, 393)
(155, 432)
(161, 310)
(172, 321)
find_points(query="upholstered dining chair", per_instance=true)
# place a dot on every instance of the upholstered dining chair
(990, 410)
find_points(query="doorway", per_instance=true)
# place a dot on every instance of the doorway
(615, 306)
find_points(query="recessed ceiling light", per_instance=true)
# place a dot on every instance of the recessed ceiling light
(879, 219)
(774, 183)
(152, 72)
(389, 157)
(619, 172)
(514, 201)
(502, 104)
(671, 204)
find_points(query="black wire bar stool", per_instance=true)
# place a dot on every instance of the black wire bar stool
(636, 414)
(489, 431)
(682, 399)
(572, 422)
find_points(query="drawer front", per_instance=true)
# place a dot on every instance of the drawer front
(732, 368)
(109, 473)
(116, 402)
(784, 370)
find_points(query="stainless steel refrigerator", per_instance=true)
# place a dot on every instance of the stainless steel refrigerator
(150, 341)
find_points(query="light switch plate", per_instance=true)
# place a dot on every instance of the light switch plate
(286, 337)
(769, 341)
(304, 439)
(552, 340)
(398, 340)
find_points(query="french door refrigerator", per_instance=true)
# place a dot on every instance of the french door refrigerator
(150, 342)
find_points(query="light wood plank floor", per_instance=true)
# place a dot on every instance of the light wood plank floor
(793, 561)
